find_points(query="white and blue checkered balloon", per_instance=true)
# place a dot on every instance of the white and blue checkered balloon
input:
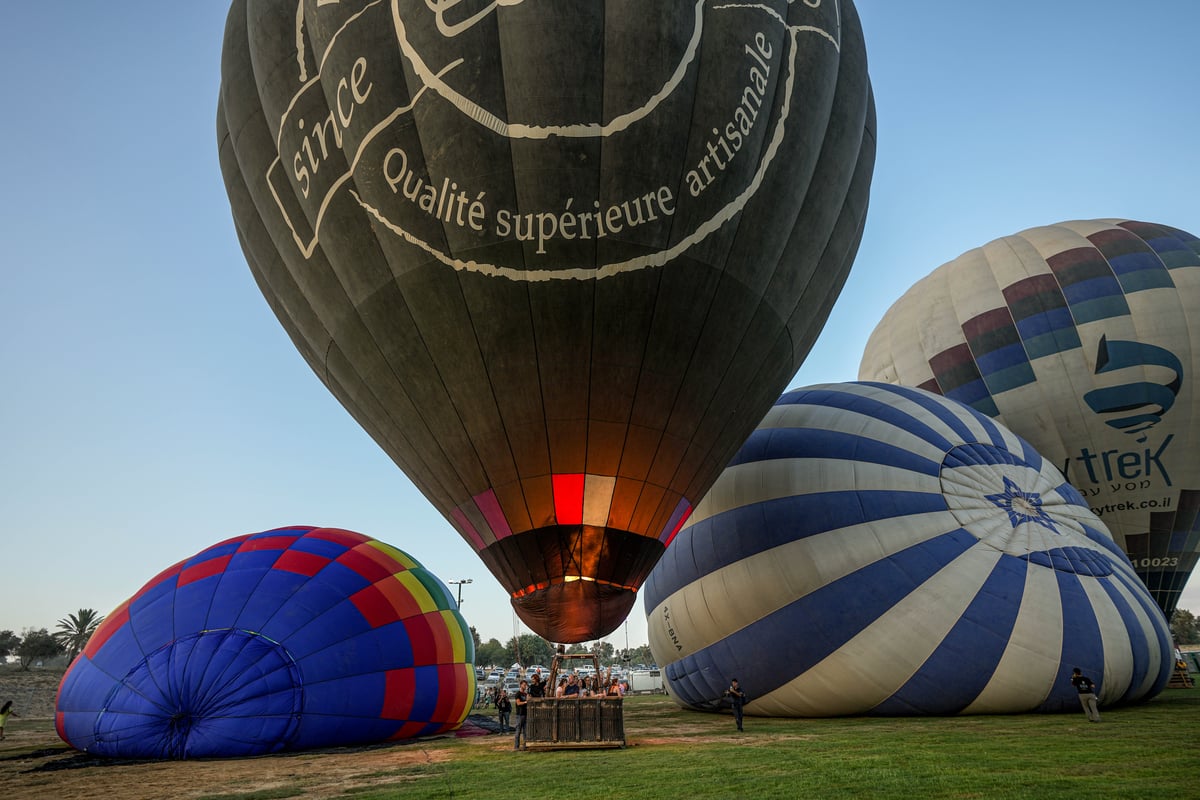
(875, 549)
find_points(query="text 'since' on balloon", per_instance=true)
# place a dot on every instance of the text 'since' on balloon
(1083, 338)
(556, 258)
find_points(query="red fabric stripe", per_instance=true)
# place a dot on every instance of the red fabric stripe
(447, 694)
(300, 562)
(267, 543)
(370, 562)
(1074, 257)
(568, 499)
(347, 539)
(987, 322)
(444, 646)
(165, 575)
(931, 385)
(1042, 283)
(409, 730)
(400, 690)
(678, 526)
(422, 639)
(111, 624)
(202, 570)
(949, 359)
(374, 607)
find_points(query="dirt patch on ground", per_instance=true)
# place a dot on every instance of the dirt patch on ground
(35, 763)
(320, 774)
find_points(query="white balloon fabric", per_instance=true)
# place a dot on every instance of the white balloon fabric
(1084, 338)
(877, 549)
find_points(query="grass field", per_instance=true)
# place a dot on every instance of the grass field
(1143, 751)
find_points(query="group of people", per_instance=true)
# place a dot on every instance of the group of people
(589, 686)
(573, 686)
(569, 687)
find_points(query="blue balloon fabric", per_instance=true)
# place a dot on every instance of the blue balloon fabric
(283, 640)
(876, 549)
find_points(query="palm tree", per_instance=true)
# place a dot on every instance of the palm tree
(75, 630)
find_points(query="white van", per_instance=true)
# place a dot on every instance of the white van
(647, 680)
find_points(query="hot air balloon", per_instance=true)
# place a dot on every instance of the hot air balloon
(283, 640)
(556, 259)
(1084, 338)
(876, 549)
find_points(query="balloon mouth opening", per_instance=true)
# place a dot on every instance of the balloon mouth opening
(573, 611)
(573, 583)
(145, 716)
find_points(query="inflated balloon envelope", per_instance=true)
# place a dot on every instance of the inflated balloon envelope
(876, 549)
(1084, 338)
(556, 258)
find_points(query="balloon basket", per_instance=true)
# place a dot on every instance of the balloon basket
(570, 723)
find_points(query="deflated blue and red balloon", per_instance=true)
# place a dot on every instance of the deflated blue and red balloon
(283, 640)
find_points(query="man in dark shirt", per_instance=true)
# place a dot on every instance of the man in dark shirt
(536, 687)
(519, 700)
(738, 698)
(503, 707)
(1087, 694)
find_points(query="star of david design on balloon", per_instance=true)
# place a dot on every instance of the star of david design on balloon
(1022, 506)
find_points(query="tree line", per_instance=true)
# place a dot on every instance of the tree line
(35, 645)
(529, 648)
(72, 632)
(1185, 627)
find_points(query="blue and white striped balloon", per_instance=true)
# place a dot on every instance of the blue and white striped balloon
(875, 549)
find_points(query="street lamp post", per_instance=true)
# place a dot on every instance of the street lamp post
(459, 584)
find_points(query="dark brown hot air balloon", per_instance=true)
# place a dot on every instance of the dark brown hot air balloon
(558, 259)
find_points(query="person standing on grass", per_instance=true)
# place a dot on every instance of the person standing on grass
(1087, 694)
(5, 713)
(738, 698)
(504, 707)
(521, 698)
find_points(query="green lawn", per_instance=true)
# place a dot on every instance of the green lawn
(1148, 750)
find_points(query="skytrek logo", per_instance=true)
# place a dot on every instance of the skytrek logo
(1133, 408)
(1137, 406)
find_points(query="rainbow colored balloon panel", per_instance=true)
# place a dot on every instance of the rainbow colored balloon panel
(288, 639)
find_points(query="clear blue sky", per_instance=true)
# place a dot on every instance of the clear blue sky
(151, 405)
